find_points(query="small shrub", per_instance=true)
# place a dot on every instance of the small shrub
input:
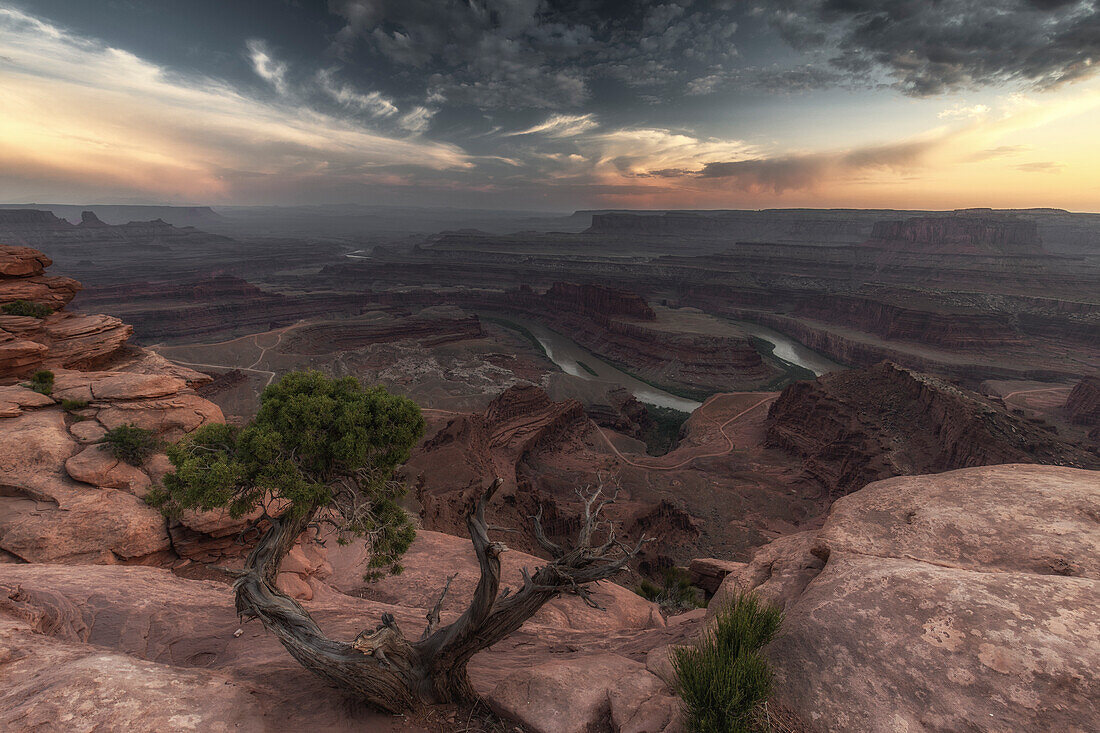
(130, 443)
(675, 594)
(73, 405)
(724, 678)
(42, 382)
(26, 308)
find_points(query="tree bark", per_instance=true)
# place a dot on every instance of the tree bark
(381, 666)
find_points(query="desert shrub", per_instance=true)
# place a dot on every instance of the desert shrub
(724, 677)
(664, 431)
(71, 405)
(26, 308)
(130, 443)
(675, 593)
(42, 382)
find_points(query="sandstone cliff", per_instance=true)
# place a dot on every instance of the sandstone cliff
(59, 339)
(858, 426)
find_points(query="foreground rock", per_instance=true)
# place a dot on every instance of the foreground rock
(119, 643)
(961, 601)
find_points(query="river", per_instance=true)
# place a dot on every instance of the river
(569, 356)
(790, 350)
(572, 359)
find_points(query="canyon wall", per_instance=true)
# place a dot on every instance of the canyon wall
(858, 426)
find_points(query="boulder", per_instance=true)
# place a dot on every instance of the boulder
(96, 466)
(708, 572)
(46, 517)
(171, 417)
(22, 261)
(959, 601)
(586, 693)
(15, 399)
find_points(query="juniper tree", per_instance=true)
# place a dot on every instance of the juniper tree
(325, 450)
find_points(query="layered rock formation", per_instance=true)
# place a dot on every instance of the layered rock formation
(963, 601)
(472, 449)
(615, 324)
(1083, 403)
(858, 426)
(959, 234)
(60, 339)
(431, 326)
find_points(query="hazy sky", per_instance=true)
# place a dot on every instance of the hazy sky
(541, 104)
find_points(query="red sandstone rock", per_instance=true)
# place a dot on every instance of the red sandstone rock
(15, 399)
(601, 300)
(425, 574)
(55, 292)
(857, 426)
(968, 595)
(96, 466)
(171, 417)
(1083, 403)
(958, 234)
(708, 572)
(22, 261)
(579, 695)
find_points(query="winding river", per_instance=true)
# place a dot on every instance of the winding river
(572, 359)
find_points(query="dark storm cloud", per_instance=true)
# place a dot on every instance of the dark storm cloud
(929, 47)
(533, 53)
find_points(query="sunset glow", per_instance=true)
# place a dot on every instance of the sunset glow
(87, 118)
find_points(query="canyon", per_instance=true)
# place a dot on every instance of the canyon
(947, 440)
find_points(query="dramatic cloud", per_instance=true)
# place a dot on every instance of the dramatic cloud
(527, 53)
(808, 170)
(570, 103)
(929, 47)
(560, 126)
(110, 123)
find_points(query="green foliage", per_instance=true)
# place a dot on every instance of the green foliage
(675, 594)
(71, 405)
(26, 308)
(724, 678)
(130, 443)
(665, 431)
(42, 382)
(587, 368)
(315, 443)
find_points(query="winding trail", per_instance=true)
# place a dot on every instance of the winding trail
(280, 332)
(1029, 391)
(681, 464)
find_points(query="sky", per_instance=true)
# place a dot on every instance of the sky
(552, 104)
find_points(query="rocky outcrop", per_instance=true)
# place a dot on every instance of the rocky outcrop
(959, 234)
(60, 339)
(600, 300)
(1083, 403)
(604, 402)
(968, 596)
(112, 640)
(858, 426)
(431, 326)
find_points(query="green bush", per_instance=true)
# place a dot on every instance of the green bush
(71, 405)
(26, 308)
(42, 382)
(315, 443)
(130, 443)
(724, 678)
(675, 594)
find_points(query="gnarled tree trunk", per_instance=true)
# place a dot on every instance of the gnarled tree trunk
(385, 668)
